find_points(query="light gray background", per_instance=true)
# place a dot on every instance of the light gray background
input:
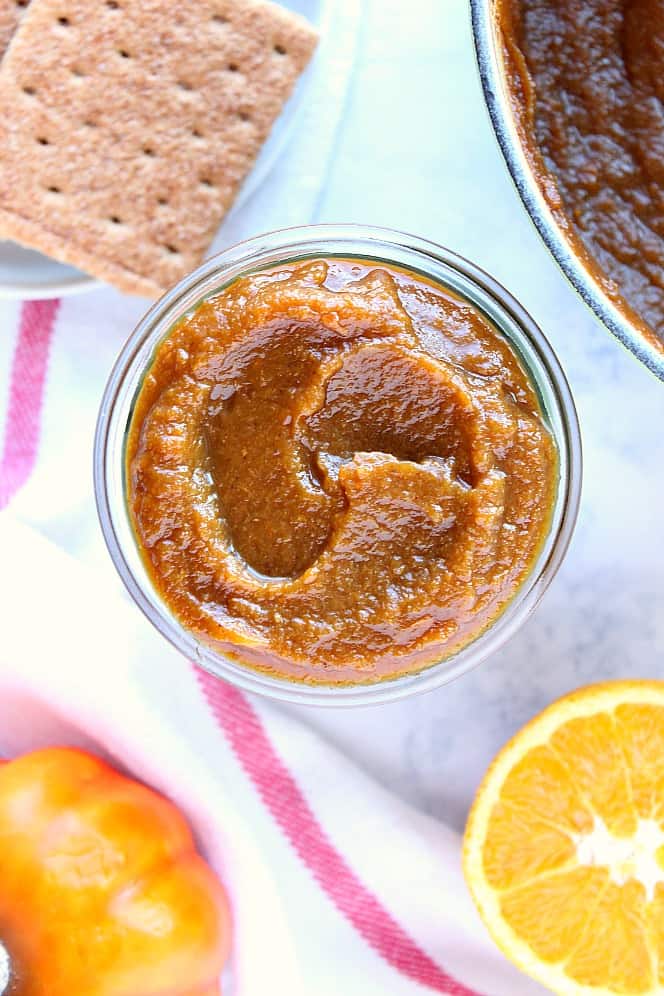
(408, 144)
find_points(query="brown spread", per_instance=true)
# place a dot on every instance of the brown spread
(587, 77)
(338, 472)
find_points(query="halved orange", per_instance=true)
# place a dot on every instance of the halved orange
(564, 848)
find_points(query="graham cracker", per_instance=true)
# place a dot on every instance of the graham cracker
(11, 12)
(130, 125)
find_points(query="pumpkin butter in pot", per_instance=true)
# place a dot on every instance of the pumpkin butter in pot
(338, 471)
(586, 80)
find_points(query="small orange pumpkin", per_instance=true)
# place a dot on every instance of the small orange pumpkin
(102, 892)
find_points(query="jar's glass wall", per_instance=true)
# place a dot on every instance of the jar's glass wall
(381, 246)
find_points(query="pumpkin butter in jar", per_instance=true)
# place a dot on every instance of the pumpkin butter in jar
(338, 471)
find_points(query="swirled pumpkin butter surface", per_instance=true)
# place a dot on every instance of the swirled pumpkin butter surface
(338, 472)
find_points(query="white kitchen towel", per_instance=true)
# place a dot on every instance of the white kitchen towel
(336, 886)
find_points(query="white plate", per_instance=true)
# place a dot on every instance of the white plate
(25, 274)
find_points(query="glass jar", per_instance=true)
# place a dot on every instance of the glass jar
(381, 246)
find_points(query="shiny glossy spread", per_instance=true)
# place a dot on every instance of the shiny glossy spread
(589, 76)
(338, 472)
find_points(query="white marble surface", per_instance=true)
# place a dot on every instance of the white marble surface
(416, 151)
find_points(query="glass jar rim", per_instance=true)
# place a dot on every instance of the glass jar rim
(390, 247)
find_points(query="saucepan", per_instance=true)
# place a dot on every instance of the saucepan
(584, 277)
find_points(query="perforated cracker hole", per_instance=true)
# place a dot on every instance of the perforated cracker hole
(64, 22)
(22, 3)
(115, 220)
(280, 50)
(149, 152)
(206, 181)
(196, 133)
(77, 73)
(123, 53)
(113, 4)
(162, 201)
(54, 190)
(219, 19)
(171, 249)
(89, 123)
(244, 116)
(29, 91)
(184, 85)
(232, 67)
(42, 140)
